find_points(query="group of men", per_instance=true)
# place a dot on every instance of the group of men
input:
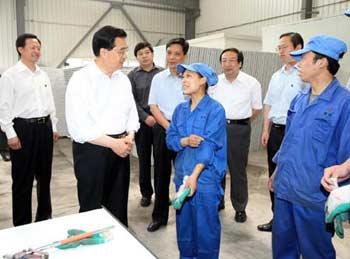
(106, 110)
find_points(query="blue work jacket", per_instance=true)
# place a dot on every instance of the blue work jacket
(208, 121)
(317, 136)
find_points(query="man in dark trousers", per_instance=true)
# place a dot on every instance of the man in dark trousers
(102, 120)
(141, 78)
(240, 95)
(27, 116)
(165, 94)
(284, 85)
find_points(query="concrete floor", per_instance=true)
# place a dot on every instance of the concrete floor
(238, 241)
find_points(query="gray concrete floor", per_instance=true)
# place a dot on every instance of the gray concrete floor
(238, 241)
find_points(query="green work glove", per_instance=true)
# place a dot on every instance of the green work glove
(180, 197)
(93, 240)
(338, 208)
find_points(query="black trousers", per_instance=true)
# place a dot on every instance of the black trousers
(273, 145)
(33, 160)
(162, 173)
(144, 141)
(3, 142)
(238, 141)
(103, 179)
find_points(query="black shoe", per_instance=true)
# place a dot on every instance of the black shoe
(240, 216)
(145, 201)
(155, 225)
(265, 227)
(5, 156)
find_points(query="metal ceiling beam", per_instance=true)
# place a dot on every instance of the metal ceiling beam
(20, 23)
(144, 5)
(131, 21)
(306, 9)
(85, 36)
(186, 4)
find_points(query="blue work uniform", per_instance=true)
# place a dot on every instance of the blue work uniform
(317, 136)
(197, 223)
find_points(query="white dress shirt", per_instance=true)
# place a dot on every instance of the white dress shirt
(283, 87)
(25, 94)
(98, 105)
(238, 97)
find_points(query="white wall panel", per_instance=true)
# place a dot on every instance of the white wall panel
(153, 20)
(8, 32)
(231, 16)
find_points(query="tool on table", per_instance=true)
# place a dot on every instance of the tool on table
(75, 238)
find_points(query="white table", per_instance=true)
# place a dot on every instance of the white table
(123, 244)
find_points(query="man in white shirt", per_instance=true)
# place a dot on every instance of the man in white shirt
(27, 116)
(240, 95)
(284, 85)
(165, 94)
(102, 120)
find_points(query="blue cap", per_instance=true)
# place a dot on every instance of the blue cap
(326, 45)
(347, 12)
(202, 69)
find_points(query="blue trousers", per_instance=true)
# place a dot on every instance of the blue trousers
(299, 230)
(198, 226)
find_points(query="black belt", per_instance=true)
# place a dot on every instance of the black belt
(240, 122)
(121, 135)
(278, 126)
(38, 120)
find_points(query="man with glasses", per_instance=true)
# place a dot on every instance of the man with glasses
(240, 94)
(102, 120)
(284, 86)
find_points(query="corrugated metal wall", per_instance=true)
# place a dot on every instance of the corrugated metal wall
(247, 17)
(61, 24)
(8, 32)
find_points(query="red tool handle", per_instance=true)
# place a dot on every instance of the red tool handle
(76, 238)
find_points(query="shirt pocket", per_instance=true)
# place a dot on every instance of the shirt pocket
(321, 136)
(199, 124)
(290, 115)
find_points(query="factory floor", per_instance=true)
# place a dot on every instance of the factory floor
(238, 241)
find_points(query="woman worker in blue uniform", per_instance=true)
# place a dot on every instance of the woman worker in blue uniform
(198, 134)
(317, 136)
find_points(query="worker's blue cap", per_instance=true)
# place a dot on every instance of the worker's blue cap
(202, 69)
(326, 45)
(347, 12)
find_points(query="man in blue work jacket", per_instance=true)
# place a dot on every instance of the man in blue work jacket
(317, 136)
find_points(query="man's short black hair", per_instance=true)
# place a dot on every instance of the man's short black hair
(142, 45)
(333, 65)
(240, 57)
(181, 41)
(295, 38)
(105, 37)
(21, 40)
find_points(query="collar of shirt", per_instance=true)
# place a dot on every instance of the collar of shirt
(293, 69)
(239, 78)
(21, 67)
(139, 68)
(200, 106)
(97, 72)
(327, 93)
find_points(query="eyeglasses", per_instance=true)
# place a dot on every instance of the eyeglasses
(121, 52)
(229, 60)
(283, 47)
